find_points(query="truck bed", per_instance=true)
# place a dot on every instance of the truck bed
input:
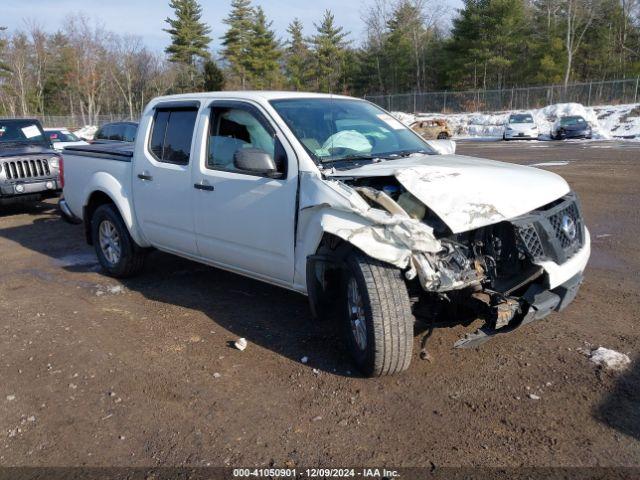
(105, 167)
(122, 152)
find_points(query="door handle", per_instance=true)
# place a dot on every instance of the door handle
(204, 186)
(145, 176)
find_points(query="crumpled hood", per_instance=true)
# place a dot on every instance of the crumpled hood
(468, 192)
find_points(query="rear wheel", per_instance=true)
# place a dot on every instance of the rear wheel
(443, 136)
(379, 322)
(117, 252)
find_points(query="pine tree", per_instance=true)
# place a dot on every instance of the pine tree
(297, 57)
(189, 35)
(488, 44)
(213, 77)
(329, 49)
(236, 41)
(264, 53)
(4, 68)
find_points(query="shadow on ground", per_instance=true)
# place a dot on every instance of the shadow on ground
(621, 408)
(269, 316)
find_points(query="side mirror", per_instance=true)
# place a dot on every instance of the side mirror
(443, 147)
(256, 161)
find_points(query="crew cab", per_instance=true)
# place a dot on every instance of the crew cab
(29, 166)
(334, 198)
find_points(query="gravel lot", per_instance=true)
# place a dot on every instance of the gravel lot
(99, 372)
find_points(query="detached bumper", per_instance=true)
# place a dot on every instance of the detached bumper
(542, 303)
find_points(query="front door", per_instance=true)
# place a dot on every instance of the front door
(162, 183)
(243, 220)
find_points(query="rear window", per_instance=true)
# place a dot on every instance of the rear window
(172, 134)
(521, 118)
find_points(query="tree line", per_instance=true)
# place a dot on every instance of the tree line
(408, 46)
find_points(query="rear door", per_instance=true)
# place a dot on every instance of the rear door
(162, 184)
(245, 221)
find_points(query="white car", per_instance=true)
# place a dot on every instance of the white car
(334, 198)
(520, 126)
(62, 138)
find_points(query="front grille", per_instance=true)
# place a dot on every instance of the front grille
(555, 232)
(556, 220)
(26, 169)
(531, 241)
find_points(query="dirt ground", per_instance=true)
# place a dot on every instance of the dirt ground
(99, 372)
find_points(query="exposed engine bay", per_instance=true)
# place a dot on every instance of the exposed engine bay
(490, 267)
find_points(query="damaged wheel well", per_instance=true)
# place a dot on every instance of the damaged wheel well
(325, 274)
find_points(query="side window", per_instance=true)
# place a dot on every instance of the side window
(115, 132)
(172, 134)
(129, 133)
(103, 133)
(235, 129)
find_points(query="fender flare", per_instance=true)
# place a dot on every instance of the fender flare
(110, 186)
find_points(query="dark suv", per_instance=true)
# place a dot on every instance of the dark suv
(116, 132)
(29, 166)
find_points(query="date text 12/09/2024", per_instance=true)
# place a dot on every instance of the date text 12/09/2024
(315, 473)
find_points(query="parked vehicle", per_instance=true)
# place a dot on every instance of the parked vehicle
(520, 126)
(573, 126)
(116, 132)
(61, 138)
(334, 198)
(437, 129)
(29, 166)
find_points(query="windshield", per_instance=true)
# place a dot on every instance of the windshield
(22, 131)
(521, 118)
(61, 136)
(338, 129)
(572, 121)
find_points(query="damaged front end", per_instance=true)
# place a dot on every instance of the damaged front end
(496, 271)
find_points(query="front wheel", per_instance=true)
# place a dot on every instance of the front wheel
(117, 252)
(379, 322)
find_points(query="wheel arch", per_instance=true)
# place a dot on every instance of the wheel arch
(99, 197)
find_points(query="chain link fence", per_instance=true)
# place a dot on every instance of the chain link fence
(613, 92)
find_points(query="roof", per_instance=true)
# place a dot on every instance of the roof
(250, 95)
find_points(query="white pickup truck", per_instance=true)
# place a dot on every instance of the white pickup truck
(334, 198)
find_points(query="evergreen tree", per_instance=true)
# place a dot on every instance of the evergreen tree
(236, 41)
(329, 50)
(488, 44)
(213, 77)
(264, 54)
(189, 35)
(297, 57)
(4, 68)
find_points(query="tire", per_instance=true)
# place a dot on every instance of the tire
(443, 136)
(115, 239)
(383, 307)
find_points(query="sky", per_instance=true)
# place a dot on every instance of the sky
(145, 18)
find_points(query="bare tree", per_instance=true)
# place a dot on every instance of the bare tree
(89, 70)
(579, 16)
(39, 62)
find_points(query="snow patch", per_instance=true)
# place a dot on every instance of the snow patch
(550, 164)
(609, 359)
(609, 121)
(87, 132)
